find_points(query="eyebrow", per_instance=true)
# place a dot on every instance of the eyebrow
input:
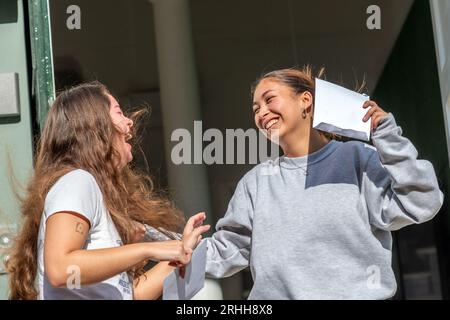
(263, 95)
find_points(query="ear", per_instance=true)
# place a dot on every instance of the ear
(306, 99)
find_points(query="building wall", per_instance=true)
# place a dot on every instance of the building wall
(15, 134)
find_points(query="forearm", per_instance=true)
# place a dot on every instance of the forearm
(414, 181)
(99, 264)
(149, 286)
(399, 188)
(227, 254)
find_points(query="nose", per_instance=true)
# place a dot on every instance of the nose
(130, 123)
(264, 111)
(125, 125)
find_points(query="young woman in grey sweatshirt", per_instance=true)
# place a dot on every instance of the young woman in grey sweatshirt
(316, 223)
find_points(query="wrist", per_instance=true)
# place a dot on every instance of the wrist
(157, 250)
(149, 250)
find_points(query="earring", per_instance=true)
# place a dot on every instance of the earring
(304, 114)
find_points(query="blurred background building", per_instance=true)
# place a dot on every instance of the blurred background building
(196, 59)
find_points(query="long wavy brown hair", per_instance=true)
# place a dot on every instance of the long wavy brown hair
(79, 134)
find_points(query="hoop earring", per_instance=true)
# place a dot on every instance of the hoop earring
(304, 114)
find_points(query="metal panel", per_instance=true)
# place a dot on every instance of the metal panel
(9, 93)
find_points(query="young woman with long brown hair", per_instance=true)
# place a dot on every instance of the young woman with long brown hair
(84, 209)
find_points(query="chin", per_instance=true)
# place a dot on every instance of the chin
(275, 136)
(126, 160)
(129, 158)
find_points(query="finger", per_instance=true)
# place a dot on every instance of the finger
(199, 217)
(369, 103)
(198, 231)
(189, 224)
(376, 121)
(184, 260)
(369, 114)
(372, 125)
(199, 222)
(187, 250)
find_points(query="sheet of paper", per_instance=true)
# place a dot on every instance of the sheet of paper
(339, 110)
(176, 288)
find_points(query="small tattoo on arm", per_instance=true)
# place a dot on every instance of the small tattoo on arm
(79, 228)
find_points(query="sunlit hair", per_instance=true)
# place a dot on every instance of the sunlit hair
(300, 80)
(79, 134)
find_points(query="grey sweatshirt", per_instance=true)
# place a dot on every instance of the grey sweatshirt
(319, 227)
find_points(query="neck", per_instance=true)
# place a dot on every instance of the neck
(303, 142)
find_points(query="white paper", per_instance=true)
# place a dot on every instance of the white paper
(176, 288)
(340, 111)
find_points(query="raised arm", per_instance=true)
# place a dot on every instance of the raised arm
(399, 189)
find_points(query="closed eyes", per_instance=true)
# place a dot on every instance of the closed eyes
(269, 99)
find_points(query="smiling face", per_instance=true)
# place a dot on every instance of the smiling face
(278, 109)
(123, 125)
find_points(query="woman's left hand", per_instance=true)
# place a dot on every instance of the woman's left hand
(192, 235)
(375, 112)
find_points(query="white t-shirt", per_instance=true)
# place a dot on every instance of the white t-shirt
(77, 191)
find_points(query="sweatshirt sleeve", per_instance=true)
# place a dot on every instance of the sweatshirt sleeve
(398, 188)
(229, 247)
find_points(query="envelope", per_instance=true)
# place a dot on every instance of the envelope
(340, 111)
(176, 288)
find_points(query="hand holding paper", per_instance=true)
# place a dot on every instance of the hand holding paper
(375, 114)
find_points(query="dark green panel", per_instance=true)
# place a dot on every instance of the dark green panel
(409, 88)
(8, 11)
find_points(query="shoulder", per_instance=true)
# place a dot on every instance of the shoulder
(79, 174)
(248, 182)
(75, 181)
(76, 191)
(356, 149)
(258, 170)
